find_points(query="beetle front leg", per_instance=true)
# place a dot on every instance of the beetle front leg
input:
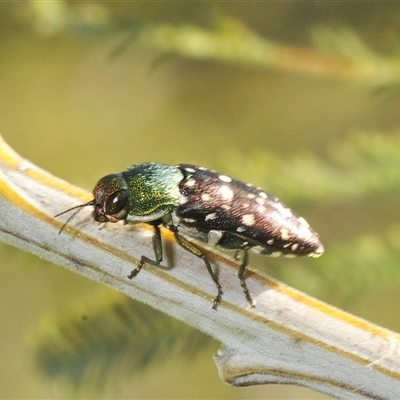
(158, 253)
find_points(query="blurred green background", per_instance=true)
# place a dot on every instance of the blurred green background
(83, 95)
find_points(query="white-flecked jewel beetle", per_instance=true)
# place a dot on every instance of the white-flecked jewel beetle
(194, 202)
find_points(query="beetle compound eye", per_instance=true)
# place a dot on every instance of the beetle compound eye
(116, 202)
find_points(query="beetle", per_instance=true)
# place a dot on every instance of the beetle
(195, 202)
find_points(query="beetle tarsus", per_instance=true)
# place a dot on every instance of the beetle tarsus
(247, 293)
(136, 270)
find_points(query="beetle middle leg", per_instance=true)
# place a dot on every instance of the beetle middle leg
(191, 248)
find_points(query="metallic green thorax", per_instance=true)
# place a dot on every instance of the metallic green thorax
(153, 190)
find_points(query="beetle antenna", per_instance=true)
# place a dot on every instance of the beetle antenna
(77, 208)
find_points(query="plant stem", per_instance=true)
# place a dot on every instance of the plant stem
(288, 337)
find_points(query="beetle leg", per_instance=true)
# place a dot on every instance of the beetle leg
(241, 273)
(191, 248)
(158, 253)
(237, 255)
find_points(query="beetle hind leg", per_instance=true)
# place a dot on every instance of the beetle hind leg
(241, 273)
